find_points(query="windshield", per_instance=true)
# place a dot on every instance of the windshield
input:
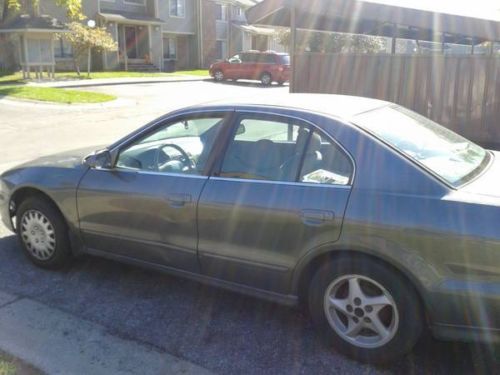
(449, 155)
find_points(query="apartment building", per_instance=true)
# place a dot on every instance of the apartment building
(151, 34)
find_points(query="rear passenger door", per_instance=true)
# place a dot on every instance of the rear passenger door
(280, 190)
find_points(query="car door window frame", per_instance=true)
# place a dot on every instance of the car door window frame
(290, 120)
(225, 115)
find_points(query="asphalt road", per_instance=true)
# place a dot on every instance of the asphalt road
(222, 331)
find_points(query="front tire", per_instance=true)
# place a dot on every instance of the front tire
(365, 309)
(219, 76)
(43, 233)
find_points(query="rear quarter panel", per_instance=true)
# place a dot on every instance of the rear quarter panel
(401, 214)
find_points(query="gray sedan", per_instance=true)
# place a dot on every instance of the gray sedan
(377, 219)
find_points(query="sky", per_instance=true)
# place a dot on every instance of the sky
(489, 9)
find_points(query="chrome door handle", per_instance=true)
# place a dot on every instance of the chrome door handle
(178, 200)
(316, 217)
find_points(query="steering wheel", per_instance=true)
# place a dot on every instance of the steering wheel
(186, 161)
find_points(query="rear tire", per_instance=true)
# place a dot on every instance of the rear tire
(365, 309)
(266, 79)
(43, 233)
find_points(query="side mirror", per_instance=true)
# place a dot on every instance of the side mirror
(99, 160)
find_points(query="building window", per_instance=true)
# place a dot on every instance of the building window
(177, 8)
(237, 11)
(221, 12)
(170, 48)
(62, 49)
(221, 46)
(134, 2)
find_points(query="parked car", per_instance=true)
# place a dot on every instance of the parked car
(266, 67)
(379, 220)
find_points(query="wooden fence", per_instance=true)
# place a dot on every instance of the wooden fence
(459, 92)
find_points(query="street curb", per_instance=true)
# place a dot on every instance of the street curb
(60, 343)
(115, 103)
(115, 82)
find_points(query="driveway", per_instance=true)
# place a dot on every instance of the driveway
(29, 130)
(221, 331)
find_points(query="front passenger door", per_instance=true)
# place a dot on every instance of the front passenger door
(281, 190)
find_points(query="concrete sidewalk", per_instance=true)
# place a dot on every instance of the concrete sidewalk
(59, 343)
(117, 81)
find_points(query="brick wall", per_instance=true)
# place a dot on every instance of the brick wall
(209, 33)
(183, 58)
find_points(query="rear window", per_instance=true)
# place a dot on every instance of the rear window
(447, 154)
(284, 59)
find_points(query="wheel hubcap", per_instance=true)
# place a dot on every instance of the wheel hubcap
(266, 79)
(38, 234)
(219, 76)
(361, 311)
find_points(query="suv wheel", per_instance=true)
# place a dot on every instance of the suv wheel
(43, 233)
(266, 79)
(365, 309)
(219, 75)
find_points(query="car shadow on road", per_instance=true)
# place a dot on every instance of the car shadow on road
(223, 331)
(244, 83)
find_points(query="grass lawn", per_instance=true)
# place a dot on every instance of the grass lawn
(7, 367)
(54, 95)
(18, 78)
(13, 366)
(198, 72)
(11, 78)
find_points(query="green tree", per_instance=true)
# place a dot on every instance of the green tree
(332, 42)
(316, 42)
(282, 35)
(353, 43)
(84, 38)
(73, 7)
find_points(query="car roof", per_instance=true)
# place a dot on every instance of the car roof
(340, 106)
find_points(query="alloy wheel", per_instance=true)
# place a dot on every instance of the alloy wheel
(361, 311)
(219, 76)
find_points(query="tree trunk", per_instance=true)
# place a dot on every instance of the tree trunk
(77, 65)
(89, 62)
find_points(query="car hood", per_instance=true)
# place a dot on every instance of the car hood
(67, 159)
(487, 186)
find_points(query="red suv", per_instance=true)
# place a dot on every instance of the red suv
(267, 67)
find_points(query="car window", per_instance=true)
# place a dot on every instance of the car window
(284, 59)
(249, 57)
(268, 59)
(325, 162)
(449, 155)
(179, 147)
(266, 149)
(236, 59)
